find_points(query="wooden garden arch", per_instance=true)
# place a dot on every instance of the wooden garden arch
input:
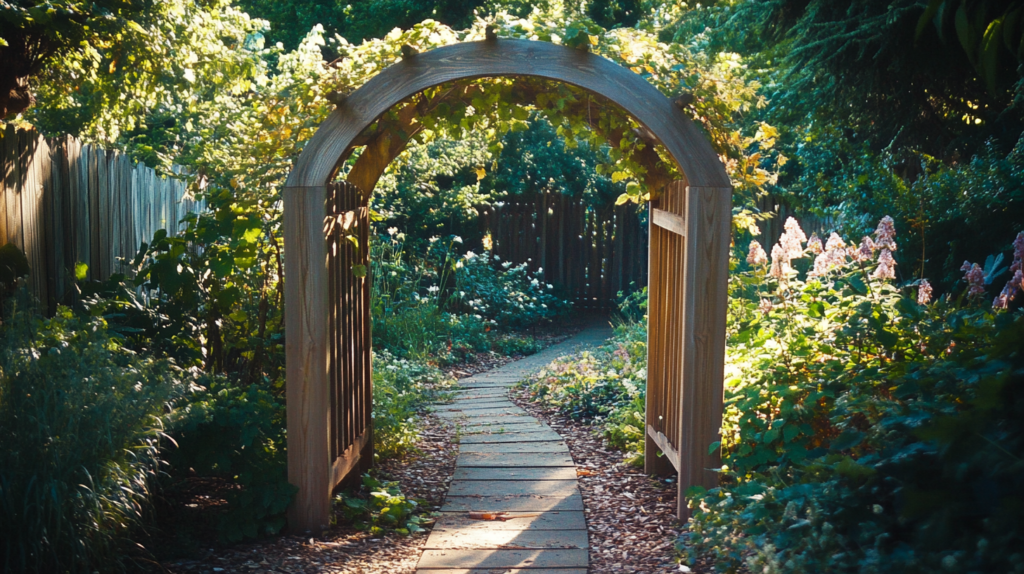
(327, 316)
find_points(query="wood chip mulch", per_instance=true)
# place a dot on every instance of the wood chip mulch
(630, 516)
(424, 474)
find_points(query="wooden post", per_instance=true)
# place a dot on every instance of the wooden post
(306, 358)
(705, 297)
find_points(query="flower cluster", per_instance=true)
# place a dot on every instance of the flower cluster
(1016, 282)
(924, 292)
(756, 257)
(974, 275)
(789, 247)
(833, 255)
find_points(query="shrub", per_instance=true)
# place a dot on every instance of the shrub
(867, 428)
(400, 389)
(236, 434)
(80, 418)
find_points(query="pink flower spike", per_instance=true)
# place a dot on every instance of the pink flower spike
(1018, 253)
(885, 235)
(756, 256)
(975, 277)
(886, 266)
(814, 244)
(866, 251)
(924, 292)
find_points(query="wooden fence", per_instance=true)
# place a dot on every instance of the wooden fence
(63, 202)
(591, 251)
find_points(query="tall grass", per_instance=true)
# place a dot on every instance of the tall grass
(80, 418)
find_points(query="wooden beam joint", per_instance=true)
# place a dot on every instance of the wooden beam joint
(668, 221)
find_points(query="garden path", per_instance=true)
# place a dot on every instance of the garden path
(510, 462)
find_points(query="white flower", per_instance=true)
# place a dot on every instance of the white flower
(392, 231)
(456, 239)
(756, 255)
(433, 289)
(540, 270)
(462, 294)
(550, 286)
(470, 255)
(434, 238)
(506, 264)
(534, 283)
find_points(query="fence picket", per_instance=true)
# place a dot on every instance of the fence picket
(64, 203)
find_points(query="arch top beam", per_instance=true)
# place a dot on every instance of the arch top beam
(691, 151)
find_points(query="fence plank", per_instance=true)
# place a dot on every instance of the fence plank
(63, 202)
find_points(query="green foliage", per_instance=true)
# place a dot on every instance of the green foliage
(383, 509)
(866, 429)
(624, 429)
(355, 21)
(81, 418)
(236, 434)
(434, 190)
(537, 160)
(444, 306)
(593, 384)
(401, 388)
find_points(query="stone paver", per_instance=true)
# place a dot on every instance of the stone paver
(513, 464)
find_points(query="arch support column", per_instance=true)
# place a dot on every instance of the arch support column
(708, 218)
(307, 355)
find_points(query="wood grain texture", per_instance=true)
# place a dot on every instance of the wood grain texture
(708, 213)
(306, 325)
(655, 112)
(668, 221)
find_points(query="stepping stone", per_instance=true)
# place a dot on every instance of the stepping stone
(510, 447)
(500, 428)
(448, 559)
(481, 403)
(514, 460)
(513, 503)
(473, 538)
(558, 520)
(459, 392)
(504, 437)
(488, 412)
(516, 488)
(542, 473)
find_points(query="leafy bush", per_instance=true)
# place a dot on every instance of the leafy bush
(236, 434)
(401, 388)
(384, 508)
(867, 428)
(443, 306)
(606, 384)
(506, 294)
(81, 419)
